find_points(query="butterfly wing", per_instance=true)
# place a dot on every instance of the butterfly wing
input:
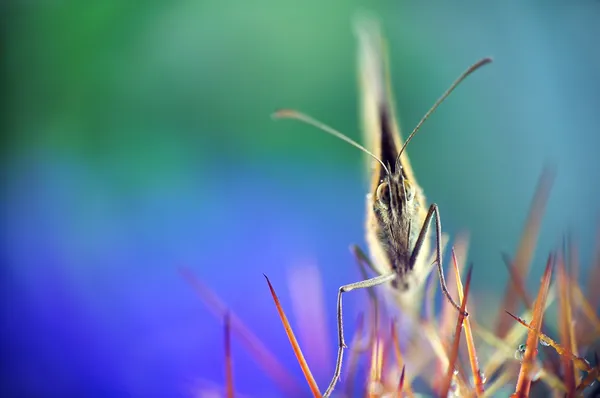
(382, 137)
(380, 126)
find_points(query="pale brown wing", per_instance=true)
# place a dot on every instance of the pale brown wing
(382, 137)
(379, 123)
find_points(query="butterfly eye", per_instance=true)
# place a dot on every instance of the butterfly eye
(383, 194)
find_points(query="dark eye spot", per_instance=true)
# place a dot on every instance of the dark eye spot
(383, 194)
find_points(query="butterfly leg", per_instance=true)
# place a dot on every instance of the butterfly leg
(378, 280)
(433, 209)
(363, 263)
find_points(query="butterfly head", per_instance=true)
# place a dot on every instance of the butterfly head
(394, 195)
(394, 204)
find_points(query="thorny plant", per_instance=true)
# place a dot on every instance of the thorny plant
(443, 364)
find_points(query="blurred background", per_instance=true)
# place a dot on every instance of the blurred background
(137, 140)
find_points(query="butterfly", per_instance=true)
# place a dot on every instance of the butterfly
(397, 216)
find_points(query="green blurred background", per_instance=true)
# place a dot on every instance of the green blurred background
(137, 138)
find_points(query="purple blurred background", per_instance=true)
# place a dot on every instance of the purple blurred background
(138, 141)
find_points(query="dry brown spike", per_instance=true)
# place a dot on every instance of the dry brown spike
(473, 361)
(400, 362)
(401, 382)
(587, 381)
(507, 350)
(580, 363)
(261, 354)
(524, 380)
(375, 385)
(572, 272)
(565, 322)
(520, 288)
(314, 388)
(228, 359)
(587, 320)
(447, 318)
(448, 314)
(527, 245)
(587, 310)
(516, 279)
(572, 253)
(592, 290)
(453, 357)
(515, 335)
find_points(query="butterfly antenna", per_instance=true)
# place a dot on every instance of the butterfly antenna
(462, 77)
(292, 114)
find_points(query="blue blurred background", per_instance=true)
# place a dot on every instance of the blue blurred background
(137, 139)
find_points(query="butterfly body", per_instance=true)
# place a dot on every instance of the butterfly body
(393, 229)
(396, 205)
(398, 218)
